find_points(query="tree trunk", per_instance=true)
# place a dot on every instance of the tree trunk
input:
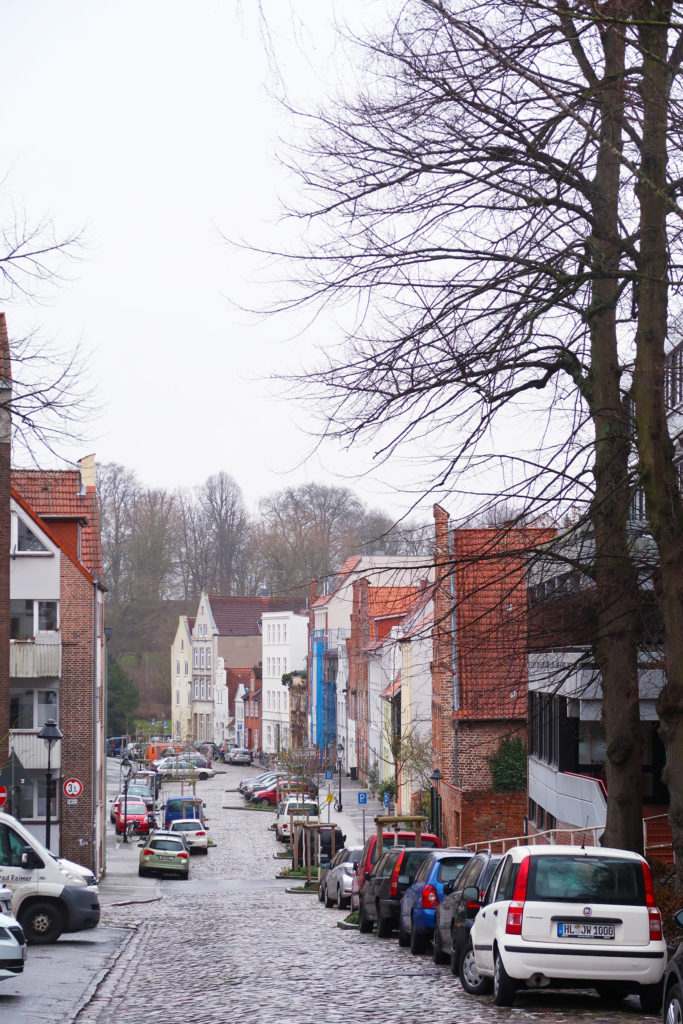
(616, 646)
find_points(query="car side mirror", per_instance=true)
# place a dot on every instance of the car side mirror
(30, 859)
(448, 888)
(355, 865)
(471, 894)
(678, 918)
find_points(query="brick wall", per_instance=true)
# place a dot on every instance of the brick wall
(76, 714)
(477, 817)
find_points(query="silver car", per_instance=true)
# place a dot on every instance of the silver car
(335, 884)
(240, 755)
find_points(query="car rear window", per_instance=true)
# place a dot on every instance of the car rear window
(166, 844)
(450, 868)
(186, 826)
(584, 878)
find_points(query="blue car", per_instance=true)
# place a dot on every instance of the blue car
(420, 900)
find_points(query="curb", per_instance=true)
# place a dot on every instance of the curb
(300, 891)
(346, 927)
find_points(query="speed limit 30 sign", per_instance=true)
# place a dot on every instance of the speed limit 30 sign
(73, 787)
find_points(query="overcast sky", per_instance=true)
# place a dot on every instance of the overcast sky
(152, 126)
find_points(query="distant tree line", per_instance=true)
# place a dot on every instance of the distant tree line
(160, 549)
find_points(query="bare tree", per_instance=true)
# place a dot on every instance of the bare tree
(117, 490)
(495, 201)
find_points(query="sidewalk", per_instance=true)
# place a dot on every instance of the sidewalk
(121, 883)
(350, 818)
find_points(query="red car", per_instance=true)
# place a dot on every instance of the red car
(135, 811)
(369, 857)
(269, 796)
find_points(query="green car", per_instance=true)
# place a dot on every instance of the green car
(165, 853)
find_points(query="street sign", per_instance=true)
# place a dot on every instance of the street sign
(3, 795)
(73, 787)
(386, 800)
(165, 725)
(362, 797)
(330, 797)
(329, 775)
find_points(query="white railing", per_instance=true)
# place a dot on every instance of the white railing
(575, 837)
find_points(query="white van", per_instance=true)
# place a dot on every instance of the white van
(49, 895)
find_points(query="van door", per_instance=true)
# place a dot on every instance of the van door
(12, 873)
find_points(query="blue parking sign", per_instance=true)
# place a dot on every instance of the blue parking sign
(386, 799)
(362, 797)
(329, 775)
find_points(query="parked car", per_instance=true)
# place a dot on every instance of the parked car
(562, 917)
(300, 808)
(240, 755)
(275, 791)
(368, 856)
(335, 881)
(132, 810)
(12, 938)
(194, 832)
(672, 1010)
(165, 853)
(177, 808)
(454, 918)
(420, 900)
(192, 756)
(380, 898)
(249, 786)
(179, 768)
(321, 849)
(224, 750)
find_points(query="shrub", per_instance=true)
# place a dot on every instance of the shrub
(508, 766)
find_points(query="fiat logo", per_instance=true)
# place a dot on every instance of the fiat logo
(587, 911)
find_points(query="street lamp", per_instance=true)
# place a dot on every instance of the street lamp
(126, 772)
(340, 763)
(50, 733)
(435, 779)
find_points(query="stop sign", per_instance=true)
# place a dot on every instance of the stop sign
(3, 795)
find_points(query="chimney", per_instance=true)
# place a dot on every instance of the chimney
(87, 467)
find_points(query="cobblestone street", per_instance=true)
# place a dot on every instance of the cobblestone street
(232, 945)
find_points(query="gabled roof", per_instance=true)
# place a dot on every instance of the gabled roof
(347, 568)
(241, 616)
(233, 678)
(39, 522)
(57, 494)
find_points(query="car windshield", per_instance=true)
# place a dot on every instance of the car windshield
(585, 879)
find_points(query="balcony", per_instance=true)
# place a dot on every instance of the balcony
(32, 751)
(36, 658)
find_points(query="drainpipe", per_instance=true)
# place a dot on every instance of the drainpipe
(454, 649)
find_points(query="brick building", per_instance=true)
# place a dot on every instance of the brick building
(479, 670)
(57, 651)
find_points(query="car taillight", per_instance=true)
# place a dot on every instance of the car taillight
(513, 924)
(430, 899)
(183, 856)
(393, 881)
(200, 833)
(147, 853)
(654, 917)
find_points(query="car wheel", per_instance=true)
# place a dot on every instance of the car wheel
(454, 959)
(342, 902)
(471, 980)
(364, 923)
(503, 985)
(142, 872)
(203, 776)
(42, 923)
(329, 902)
(651, 998)
(321, 894)
(438, 955)
(417, 941)
(384, 926)
(403, 935)
(673, 1006)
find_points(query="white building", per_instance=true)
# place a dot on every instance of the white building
(181, 680)
(285, 645)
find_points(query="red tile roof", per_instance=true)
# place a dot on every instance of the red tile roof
(56, 495)
(233, 678)
(241, 616)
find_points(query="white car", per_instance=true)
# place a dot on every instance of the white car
(300, 808)
(194, 832)
(179, 768)
(566, 916)
(12, 939)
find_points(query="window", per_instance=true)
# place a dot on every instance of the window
(30, 709)
(32, 800)
(278, 667)
(177, 696)
(26, 538)
(208, 657)
(202, 689)
(30, 617)
(284, 665)
(177, 667)
(202, 658)
(196, 689)
(208, 689)
(195, 661)
(284, 633)
(185, 668)
(189, 695)
(182, 645)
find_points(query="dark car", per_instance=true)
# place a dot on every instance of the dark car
(672, 1012)
(370, 856)
(380, 898)
(421, 899)
(454, 917)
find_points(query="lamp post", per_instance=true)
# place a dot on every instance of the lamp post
(126, 772)
(435, 779)
(340, 764)
(50, 733)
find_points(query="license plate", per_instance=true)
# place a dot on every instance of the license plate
(166, 860)
(585, 930)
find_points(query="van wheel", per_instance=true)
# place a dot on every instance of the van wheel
(42, 923)
(503, 984)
